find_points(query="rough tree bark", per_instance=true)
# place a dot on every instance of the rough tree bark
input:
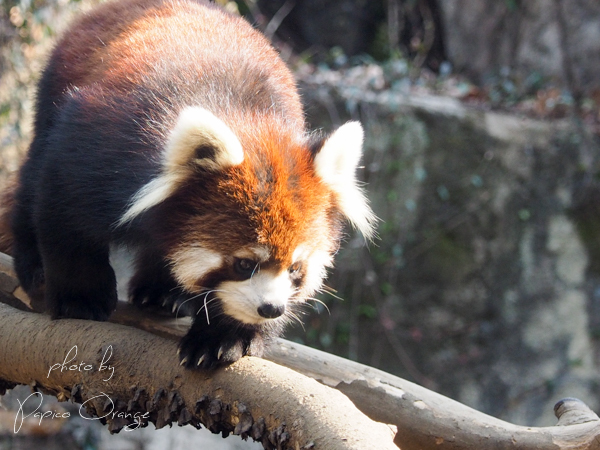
(424, 419)
(255, 397)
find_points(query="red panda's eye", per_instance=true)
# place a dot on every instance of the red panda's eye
(295, 268)
(245, 267)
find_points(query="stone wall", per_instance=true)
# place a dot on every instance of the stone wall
(481, 284)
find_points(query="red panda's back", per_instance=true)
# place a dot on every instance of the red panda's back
(127, 44)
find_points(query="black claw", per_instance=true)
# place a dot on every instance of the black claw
(174, 301)
(220, 343)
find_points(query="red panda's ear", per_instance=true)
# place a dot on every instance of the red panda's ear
(199, 140)
(336, 163)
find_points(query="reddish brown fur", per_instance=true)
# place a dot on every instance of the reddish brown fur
(146, 38)
(297, 196)
(300, 207)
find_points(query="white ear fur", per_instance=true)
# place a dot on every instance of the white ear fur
(336, 165)
(195, 128)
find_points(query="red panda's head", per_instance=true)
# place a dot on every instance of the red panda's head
(254, 216)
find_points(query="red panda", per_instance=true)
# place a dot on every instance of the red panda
(174, 128)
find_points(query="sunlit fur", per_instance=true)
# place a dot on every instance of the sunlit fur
(190, 263)
(174, 128)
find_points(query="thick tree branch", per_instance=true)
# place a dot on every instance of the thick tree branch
(425, 419)
(253, 397)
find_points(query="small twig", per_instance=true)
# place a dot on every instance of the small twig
(567, 62)
(429, 30)
(393, 22)
(279, 16)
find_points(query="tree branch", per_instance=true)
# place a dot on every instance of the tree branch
(253, 398)
(425, 419)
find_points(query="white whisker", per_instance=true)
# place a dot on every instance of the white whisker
(183, 303)
(294, 316)
(321, 302)
(205, 305)
(204, 293)
(330, 291)
(256, 269)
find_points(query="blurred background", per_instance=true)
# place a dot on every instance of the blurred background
(482, 159)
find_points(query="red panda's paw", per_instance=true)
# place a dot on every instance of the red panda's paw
(92, 297)
(31, 275)
(209, 354)
(218, 346)
(82, 306)
(170, 299)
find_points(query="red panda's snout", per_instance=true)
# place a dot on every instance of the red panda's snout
(268, 294)
(262, 297)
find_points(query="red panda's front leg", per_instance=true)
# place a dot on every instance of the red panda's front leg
(27, 259)
(79, 282)
(216, 339)
(153, 285)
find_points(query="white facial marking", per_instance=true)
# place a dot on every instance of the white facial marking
(195, 127)
(301, 253)
(316, 262)
(241, 299)
(257, 253)
(316, 270)
(192, 263)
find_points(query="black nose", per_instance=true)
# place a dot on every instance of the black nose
(270, 311)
